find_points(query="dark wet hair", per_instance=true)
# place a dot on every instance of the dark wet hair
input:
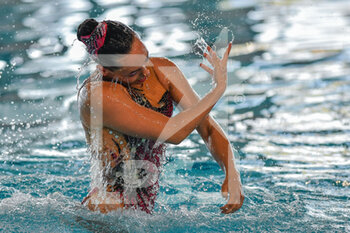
(118, 39)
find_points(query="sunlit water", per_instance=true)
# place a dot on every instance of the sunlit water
(286, 111)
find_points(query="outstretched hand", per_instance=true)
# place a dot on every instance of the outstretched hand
(219, 72)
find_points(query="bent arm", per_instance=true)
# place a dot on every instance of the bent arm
(121, 113)
(212, 134)
(182, 93)
(181, 125)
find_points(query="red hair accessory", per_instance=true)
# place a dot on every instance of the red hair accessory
(96, 39)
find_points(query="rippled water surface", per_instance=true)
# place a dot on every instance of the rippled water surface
(286, 111)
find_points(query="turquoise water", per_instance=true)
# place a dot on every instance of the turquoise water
(286, 111)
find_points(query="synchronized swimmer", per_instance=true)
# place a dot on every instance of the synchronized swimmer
(136, 117)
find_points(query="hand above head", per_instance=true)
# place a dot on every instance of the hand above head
(220, 65)
(232, 187)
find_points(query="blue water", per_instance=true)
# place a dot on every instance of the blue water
(286, 111)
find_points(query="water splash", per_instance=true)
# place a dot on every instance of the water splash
(200, 46)
(74, 42)
(219, 46)
(81, 71)
(222, 41)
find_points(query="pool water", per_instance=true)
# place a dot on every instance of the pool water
(286, 111)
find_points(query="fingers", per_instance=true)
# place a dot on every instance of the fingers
(212, 53)
(209, 58)
(206, 68)
(229, 208)
(227, 53)
(214, 59)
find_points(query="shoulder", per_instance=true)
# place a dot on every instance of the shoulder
(161, 61)
(163, 67)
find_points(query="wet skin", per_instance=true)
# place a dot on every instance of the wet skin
(149, 124)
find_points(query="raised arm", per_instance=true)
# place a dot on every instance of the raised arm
(124, 115)
(212, 134)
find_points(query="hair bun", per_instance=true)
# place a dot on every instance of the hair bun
(86, 28)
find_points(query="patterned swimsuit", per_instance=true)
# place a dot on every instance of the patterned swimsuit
(146, 150)
(142, 197)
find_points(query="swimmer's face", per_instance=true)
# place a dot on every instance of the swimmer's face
(133, 65)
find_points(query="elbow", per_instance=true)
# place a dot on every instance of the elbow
(175, 139)
(178, 136)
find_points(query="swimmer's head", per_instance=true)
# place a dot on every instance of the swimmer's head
(105, 39)
(116, 48)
